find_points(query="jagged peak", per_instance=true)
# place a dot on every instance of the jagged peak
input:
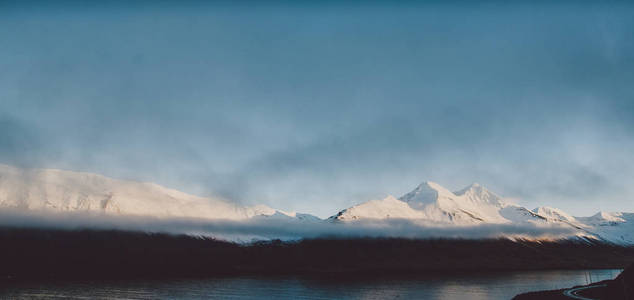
(478, 193)
(428, 191)
(430, 184)
(474, 188)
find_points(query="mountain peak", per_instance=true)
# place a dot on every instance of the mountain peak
(608, 217)
(477, 193)
(474, 187)
(427, 192)
(429, 185)
(553, 213)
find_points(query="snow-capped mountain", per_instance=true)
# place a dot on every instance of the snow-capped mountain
(603, 219)
(614, 227)
(556, 214)
(58, 190)
(473, 205)
(428, 204)
(432, 202)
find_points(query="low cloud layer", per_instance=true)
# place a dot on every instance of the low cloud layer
(269, 228)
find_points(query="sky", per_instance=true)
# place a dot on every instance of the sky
(317, 106)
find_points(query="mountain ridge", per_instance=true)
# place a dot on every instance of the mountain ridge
(60, 190)
(428, 204)
(474, 205)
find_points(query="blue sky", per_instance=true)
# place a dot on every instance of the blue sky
(315, 106)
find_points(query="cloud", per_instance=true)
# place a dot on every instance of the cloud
(19, 142)
(314, 107)
(265, 228)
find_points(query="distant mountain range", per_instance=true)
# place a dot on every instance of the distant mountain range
(475, 205)
(51, 189)
(429, 203)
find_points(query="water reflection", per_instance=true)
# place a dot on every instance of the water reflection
(468, 286)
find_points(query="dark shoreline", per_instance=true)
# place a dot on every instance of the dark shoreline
(620, 288)
(46, 254)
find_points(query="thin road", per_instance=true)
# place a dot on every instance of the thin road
(572, 293)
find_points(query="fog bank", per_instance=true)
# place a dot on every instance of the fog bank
(267, 228)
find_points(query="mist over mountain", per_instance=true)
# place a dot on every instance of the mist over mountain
(67, 191)
(232, 149)
(317, 106)
(71, 200)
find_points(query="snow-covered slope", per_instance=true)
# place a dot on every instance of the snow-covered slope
(389, 207)
(474, 205)
(616, 227)
(552, 213)
(58, 190)
(432, 202)
(603, 219)
(557, 215)
(428, 204)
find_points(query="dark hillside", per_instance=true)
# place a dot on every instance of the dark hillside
(32, 253)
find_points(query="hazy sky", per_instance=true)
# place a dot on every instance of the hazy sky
(315, 106)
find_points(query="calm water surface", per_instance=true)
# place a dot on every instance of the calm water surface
(478, 286)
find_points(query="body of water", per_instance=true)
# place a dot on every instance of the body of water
(468, 286)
